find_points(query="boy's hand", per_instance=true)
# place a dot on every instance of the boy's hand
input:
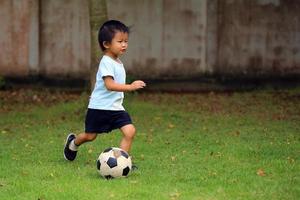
(111, 85)
(135, 85)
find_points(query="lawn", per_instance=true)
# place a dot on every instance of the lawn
(215, 145)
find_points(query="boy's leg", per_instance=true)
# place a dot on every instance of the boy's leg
(84, 137)
(73, 142)
(126, 142)
(128, 132)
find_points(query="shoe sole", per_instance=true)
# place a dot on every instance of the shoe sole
(66, 146)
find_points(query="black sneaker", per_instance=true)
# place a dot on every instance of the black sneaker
(134, 167)
(68, 153)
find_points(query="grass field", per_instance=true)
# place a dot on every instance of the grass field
(233, 145)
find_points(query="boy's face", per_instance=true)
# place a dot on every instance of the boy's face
(118, 45)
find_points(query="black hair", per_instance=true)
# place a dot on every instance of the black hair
(108, 30)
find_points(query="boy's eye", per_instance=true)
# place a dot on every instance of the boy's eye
(120, 41)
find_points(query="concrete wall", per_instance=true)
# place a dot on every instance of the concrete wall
(65, 38)
(18, 37)
(258, 38)
(47, 37)
(170, 39)
(182, 39)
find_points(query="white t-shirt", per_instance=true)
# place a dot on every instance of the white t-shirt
(102, 98)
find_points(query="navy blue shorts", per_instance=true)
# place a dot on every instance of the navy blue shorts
(104, 121)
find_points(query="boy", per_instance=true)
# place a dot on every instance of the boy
(105, 110)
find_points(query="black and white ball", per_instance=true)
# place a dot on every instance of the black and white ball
(114, 162)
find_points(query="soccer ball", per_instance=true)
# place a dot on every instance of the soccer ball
(114, 162)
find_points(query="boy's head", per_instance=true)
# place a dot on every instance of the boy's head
(108, 30)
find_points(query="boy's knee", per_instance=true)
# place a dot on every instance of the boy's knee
(129, 131)
(133, 131)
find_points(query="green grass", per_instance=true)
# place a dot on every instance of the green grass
(242, 145)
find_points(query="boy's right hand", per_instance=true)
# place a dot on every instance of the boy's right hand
(135, 85)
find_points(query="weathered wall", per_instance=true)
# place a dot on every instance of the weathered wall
(45, 37)
(258, 38)
(18, 37)
(167, 39)
(170, 39)
(194, 38)
(65, 38)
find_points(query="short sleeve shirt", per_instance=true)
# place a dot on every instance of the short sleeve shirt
(101, 98)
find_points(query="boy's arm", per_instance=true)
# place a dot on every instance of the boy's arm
(111, 85)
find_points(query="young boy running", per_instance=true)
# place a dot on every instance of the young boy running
(105, 110)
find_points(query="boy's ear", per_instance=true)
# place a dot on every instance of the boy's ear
(106, 44)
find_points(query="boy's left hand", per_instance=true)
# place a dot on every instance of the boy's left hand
(138, 85)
